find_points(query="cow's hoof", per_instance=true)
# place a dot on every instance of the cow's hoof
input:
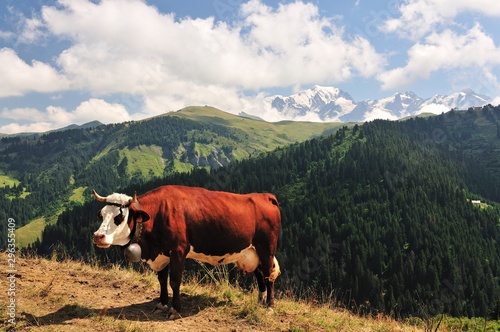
(270, 311)
(160, 308)
(173, 314)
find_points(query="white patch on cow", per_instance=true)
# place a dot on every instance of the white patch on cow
(246, 260)
(159, 263)
(118, 198)
(263, 296)
(275, 272)
(113, 234)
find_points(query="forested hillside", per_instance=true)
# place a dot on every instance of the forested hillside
(42, 175)
(378, 216)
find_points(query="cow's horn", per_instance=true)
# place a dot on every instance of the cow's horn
(98, 197)
(134, 199)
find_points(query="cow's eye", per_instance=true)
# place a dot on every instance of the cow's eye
(118, 219)
(99, 215)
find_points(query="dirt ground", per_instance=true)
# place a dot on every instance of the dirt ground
(72, 296)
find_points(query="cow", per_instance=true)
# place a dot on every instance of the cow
(168, 224)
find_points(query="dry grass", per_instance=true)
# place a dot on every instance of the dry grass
(73, 296)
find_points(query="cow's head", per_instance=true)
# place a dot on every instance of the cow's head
(118, 219)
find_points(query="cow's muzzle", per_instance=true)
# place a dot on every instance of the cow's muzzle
(99, 240)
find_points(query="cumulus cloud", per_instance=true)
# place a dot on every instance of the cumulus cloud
(28, 30)
(420, 17)
(32, 30)
(19, 77)
(433, 108)
(302, 47)
(377, 113)
(446, 50)
(37, 127)
(444, 44)
(34, 120)
(495, 101)
(22, 114)
(129, 47)
(94, 109)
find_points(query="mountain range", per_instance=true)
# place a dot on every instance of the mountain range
(322, 103)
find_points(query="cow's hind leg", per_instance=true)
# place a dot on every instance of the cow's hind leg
(162, 279)
(273, 275)
(270, 270)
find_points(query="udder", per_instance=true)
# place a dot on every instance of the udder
(248, 260)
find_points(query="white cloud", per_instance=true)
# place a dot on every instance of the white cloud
(22, 114)
(98, 109)
(301, 47)
(32, 30)
(5, 35)
(434, 109)
(446, 51)
(419, 17)
(28, 30)
(53, 117)
(129, 47)
(18, 77)
(37, 127)
(495, 101)
(378, 113)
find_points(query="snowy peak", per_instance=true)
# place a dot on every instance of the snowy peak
(318, 95)
(399, 105)
(321, 103)
(460, 100)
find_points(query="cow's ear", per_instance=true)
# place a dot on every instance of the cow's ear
(141, 216)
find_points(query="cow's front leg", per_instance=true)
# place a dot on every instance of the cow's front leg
(177, 260)
(270, 293)
(162, 279)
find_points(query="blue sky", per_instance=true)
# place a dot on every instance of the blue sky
(74, 61)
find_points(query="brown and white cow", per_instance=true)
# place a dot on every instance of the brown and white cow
(172, 223)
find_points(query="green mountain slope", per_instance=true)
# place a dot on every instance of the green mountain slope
(284, 132)
(41, 175)
(378, 217)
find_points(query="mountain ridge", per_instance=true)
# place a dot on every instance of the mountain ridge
(326, 103)
(332, 104)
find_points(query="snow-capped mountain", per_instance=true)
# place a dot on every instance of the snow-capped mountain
(461, 100)
(396, 107)
(332, 104)
(401, 104)
(318, 103)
